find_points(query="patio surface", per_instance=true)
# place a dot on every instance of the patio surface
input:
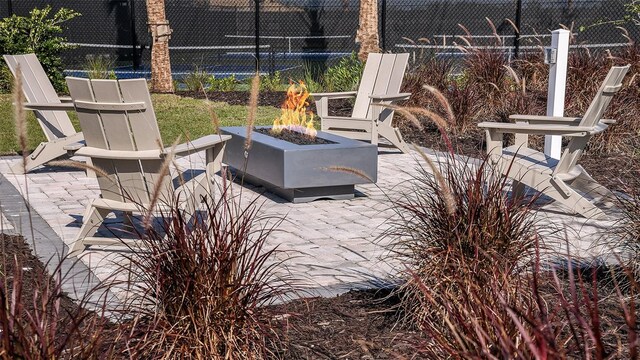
(334, 245)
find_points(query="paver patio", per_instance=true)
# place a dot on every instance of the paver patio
(334, 245)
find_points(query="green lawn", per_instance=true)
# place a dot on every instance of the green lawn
(176, 116)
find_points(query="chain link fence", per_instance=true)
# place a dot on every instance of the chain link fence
(221, 36)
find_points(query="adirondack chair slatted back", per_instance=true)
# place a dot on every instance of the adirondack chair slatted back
(595, 112)
(38, 89)
(383, 74)
(130, 180)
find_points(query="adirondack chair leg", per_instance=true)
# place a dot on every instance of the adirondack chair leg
(585, 183)
(322, 108)
(91, 221)
(393, 135)
(214, 164)
(47, 151)
(517, 190)
(584, 206)
(571, 199)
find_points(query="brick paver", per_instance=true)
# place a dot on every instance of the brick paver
(334, 245)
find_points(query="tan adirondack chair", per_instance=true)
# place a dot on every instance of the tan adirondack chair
(123, 140)
(50, 110)
(380, 84)
(562, 180)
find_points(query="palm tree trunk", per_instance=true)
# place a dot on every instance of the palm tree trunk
(367, 34)
(161, 80)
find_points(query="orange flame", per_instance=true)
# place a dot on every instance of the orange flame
(295, 116)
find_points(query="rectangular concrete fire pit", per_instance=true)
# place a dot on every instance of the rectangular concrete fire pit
(302, 173)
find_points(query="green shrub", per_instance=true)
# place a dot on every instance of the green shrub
(345, 76)
(197, 80)
(272, 82)
(313, 85)
(37, 33)
(99, 67)
(224, 84)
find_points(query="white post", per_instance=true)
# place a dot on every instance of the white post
(557, 56)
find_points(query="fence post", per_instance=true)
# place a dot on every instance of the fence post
(383, 22)
(257, 34)
(134, 38)
(516, 39)
(557, 57)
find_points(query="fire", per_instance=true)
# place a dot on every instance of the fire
(295, 116)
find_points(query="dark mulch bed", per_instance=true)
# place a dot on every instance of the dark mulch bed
(355, 325)
(340, 107)
(16, 251)
(265, 98)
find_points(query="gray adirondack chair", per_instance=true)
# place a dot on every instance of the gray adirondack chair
(50, 110)
(380, 84)
(123, 140)
(563, 180)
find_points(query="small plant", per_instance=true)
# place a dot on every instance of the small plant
(312, 84)
(37, 33)
(462, 98)
(201, 283)
(227, 83)
(100, 67)
(37, 320)
(271, 82)
(197, 81)
(462, 222)
(345, 76)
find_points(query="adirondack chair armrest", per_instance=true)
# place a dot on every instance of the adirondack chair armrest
(544, 119)
(334, 95)
(608, 121)
(73, 147)
(49, 106)
(564, 130)
(389, 97)
(203, 143)
(65, 99)
(98, 153)
(600, 127)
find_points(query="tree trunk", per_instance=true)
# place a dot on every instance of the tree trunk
(161, 80)
(367, 35)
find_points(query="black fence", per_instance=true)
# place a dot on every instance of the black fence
(220, 36)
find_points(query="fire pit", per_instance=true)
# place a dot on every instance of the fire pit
(302, 173)
(298, 163)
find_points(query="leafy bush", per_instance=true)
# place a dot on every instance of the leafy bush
(197, 80)
(99, 67)
(271, 82)
(38, 33)
(345, 76)
(312, 84)
(224, 84)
